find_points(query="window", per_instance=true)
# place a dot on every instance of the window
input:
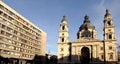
(62, 39)
(3, 26)
(102, 56)
(111, 56)
(5, 15)
(1, 7)
(110, 36)
(15, 32)
(1, 38)
(109, 23)
(110, 47)
(10, 18)
(1, 12)
(2, 32)
(9, 29)
(8, 34)
(63, 27)
(86, 33)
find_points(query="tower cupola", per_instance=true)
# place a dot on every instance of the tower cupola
(86, 19)
(107, 13)
(64, 18)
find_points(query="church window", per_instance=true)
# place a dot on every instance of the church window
(62, 49)
(102, 56)
(62, 39)
(63, 27)
(110, 47)
(109, 23)
(86, 33)
(111, 56)
(110, 36)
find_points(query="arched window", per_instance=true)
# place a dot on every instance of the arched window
(62, 39)
(109, 23)
(63, 27)
(110, 47)
(102, 56)
(86, 34)
(111, 56)
(110, 36)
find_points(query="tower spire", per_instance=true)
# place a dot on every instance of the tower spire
(86, 19)
(107, 13)
(64, 18)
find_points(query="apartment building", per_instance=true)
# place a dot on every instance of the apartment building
(20, 40)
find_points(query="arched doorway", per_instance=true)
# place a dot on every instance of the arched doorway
(85, 55)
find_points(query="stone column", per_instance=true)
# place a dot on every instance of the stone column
(91, 54)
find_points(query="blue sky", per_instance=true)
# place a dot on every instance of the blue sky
(47, 14)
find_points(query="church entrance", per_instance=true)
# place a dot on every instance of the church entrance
(85, 55)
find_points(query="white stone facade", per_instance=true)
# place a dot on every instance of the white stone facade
(87, 46)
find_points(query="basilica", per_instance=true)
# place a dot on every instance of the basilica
(87, 48)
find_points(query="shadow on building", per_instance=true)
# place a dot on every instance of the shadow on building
(73, 60)
(36, 60)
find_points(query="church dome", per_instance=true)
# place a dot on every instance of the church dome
(86, 24)
(87, 29)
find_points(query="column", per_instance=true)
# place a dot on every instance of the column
(91, 53)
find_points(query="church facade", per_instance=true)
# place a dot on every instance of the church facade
(87, 48)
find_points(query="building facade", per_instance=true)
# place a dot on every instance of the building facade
(87, 48)
(20, 40)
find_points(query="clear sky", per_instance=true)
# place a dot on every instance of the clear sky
(47, 14)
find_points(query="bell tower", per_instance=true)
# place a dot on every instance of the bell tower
(63, 42)
(109, 33)
(63, 32)
(110, 50)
